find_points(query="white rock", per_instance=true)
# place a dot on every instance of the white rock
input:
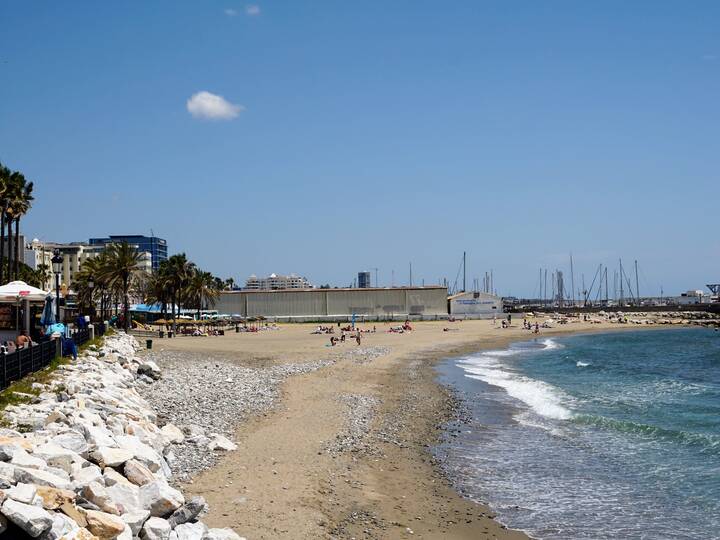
(99, 436)
(29, 518)
(222, 534)
(110, 457)
(125, 535)
(144, 454)
(126, 497)
(24, 493)
(135, 520)
(191, 531)
(160, 498)
(99, 496)
(7, 473)
(85, 475)
(219, 442)
(113, 477)
(63, 527)
(57, 456)
(41, 478)
(149, 368)
(172, 433)
(22, 459)
(72, 440)
(155, 528)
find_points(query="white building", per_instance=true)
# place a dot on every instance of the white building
(693, 297)
(275, 282)
(475, 305)
(74, 256)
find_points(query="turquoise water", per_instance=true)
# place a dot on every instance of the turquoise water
(595, 436)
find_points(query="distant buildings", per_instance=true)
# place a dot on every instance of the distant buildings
(275, 282)
(157, 247)
(364, 280)
(692, 297)
(74, 255)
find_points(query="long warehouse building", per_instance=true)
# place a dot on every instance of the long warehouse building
(337, 304)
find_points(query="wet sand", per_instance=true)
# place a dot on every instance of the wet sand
(283, 482)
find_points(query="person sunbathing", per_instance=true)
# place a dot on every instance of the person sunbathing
(23, 340)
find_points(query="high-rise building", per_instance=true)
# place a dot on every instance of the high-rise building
(364, 280)
(157, 247)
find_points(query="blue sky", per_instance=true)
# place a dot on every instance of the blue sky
(372, 134)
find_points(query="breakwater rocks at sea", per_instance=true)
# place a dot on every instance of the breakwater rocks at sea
(684, 318)
(88, 459)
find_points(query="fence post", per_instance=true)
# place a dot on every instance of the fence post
(58, 347)
(91, 332)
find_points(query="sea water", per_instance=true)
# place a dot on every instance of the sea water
(612, 435)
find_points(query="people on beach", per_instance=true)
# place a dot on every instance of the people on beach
(357, 337)
(22, 340)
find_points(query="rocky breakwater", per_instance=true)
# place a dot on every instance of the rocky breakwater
(86, 459)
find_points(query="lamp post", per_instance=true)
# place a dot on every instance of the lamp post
(57, 262)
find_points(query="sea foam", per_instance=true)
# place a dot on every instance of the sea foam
(543, 398)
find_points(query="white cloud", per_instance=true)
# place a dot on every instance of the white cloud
(231, 12)
(252, 9)
(212, 107)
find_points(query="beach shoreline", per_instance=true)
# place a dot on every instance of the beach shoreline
(291, 478)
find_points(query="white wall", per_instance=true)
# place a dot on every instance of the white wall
(475, 305)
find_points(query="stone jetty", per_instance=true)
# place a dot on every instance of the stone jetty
(86, 459)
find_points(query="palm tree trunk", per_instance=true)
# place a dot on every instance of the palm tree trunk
(17, 248)
(10, 249)
(2, 246)
(172, 309)
(127, 305)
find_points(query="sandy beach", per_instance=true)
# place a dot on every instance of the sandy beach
(344, 450)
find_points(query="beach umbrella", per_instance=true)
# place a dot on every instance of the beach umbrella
(19, 290)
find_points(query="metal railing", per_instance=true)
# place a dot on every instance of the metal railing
(22, 362)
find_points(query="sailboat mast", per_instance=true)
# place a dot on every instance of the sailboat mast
(572, 280)
(606, 287)
(464, 260)
(637, 283)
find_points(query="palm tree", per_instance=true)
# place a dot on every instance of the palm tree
(178, 271)
(10, 208)
(22, 205)
(157, 290)
(202, 290)
(5, 174)
(40, 277)
(121, 266)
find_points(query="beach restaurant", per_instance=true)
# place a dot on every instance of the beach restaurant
(18, 302)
